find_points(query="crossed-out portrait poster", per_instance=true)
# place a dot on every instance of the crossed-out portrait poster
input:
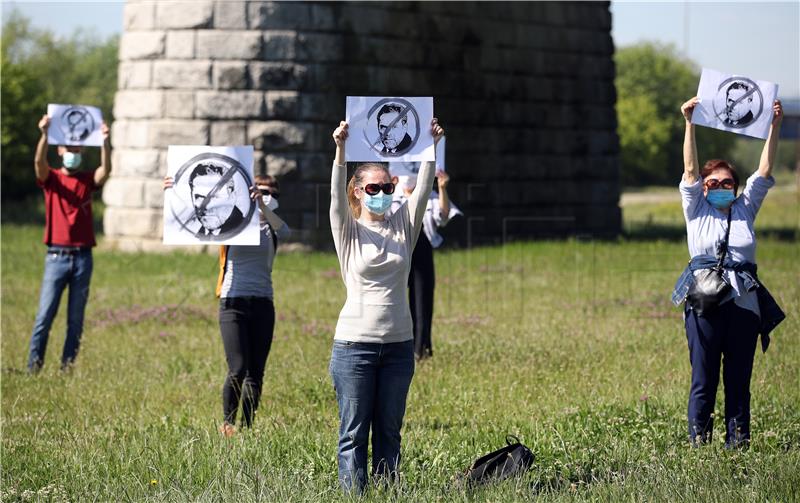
(209, 201)
(734, 103)
(74, 125)
(385, 129)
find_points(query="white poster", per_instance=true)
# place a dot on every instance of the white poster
(734, 103)
(209, 201)
(389, 129)
(74, 125)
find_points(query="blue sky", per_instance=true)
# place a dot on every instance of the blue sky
(757, 39)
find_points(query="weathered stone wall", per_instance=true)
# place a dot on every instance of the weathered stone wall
(524, 89)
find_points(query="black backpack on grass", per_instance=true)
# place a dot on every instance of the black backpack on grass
(513, 459)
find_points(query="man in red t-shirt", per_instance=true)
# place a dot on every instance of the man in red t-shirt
(69, 236)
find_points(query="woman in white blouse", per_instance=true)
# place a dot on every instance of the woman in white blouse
(372, 361)
(711, 205)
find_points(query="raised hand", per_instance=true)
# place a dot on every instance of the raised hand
(777, 113)
(436, 130)
(442, 179)
(168, 183)
(44, 123)
(688, 107)
(340, 134)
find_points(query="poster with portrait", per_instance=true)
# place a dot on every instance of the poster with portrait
(209, 201)
(389, 129)
(74, 125)
(734, 103)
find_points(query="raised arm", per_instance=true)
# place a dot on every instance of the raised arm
(339, 208)
(102, 173)
(40, 159)
(444, 199)
(691, 168)
(419, 197)
(771, 146)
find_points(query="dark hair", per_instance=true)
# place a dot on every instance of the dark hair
(358, 175)
(737, 85)
(267, 180)
(391, 107)
(208, 169)
(715, 164)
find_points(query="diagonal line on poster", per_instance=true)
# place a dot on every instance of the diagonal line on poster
(403, 113)
(729, 107)
(222, 181)
(74, 124)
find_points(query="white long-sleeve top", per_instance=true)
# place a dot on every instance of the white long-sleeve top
(375, 259)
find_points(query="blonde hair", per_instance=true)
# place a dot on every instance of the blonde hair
(356, 179)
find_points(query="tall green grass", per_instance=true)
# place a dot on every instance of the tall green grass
(571, 345)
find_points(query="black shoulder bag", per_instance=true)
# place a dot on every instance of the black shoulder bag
(513, 459)
(710, 285)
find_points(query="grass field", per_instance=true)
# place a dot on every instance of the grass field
(571, 345)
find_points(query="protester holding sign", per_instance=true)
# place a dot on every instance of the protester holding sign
(726, 306)
(372, 361)
(69, 236)
(422, 279)
(246, 308)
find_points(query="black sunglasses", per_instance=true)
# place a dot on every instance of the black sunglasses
(373, 188)
(266, 192)
(727, 183)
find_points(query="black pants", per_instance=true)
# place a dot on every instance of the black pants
(246, 325)
(729, 333)
(421, 282)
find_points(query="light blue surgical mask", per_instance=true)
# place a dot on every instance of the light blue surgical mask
(720, 198)
(378, 203)
(71, 160)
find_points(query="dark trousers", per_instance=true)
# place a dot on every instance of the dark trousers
(421, 282)
(246, 325)
(728, 333)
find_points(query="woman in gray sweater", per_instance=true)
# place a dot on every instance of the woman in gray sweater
(373, 353)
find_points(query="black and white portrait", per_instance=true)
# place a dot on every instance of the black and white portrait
(734, 103)
(389, 129)
(74, 125)
(209, 200)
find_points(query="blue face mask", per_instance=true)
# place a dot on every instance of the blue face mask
(71, 160)
(378, 203)
(720, 198)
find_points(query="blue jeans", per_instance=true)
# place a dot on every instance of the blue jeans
(371, 382)
(61, 269)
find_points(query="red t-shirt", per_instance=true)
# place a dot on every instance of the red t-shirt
(68, 208)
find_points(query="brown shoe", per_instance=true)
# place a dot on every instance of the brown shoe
(227, 430)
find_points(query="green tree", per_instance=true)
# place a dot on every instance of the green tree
(39, 68)
(652, 83)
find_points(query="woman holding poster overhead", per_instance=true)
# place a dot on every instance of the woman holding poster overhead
(372, 361)
(726, 307)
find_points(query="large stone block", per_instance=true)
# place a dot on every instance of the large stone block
(230, 15)
(182, 74)
(134, 74)
(132, 222)
(280, 165)
(229, 105)
(230, 75)
(141, 45)
(153, 191)
(138, 104)
(180, 14)
(323, 47)
(278, 135)
(224, 44)
(124, 192)
(324, 16)
(177, 132)
(128, 162)
(279, 15)
(180, 44)
(280, 45)
(278, 75)
(178, 104)
(129, 133)
(228, 133)
(139, 16)
(316, 106)
(282, 104)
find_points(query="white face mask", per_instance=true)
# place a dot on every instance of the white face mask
(270, 202)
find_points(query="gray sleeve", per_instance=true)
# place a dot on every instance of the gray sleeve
(755, 190)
